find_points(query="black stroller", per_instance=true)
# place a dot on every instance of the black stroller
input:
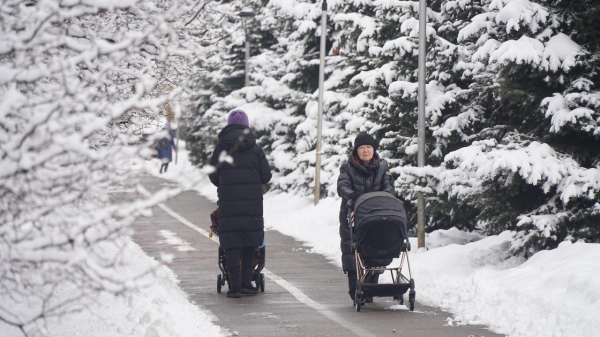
(379, 234)
(258, 264)
(257, 276)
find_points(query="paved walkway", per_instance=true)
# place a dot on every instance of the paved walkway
(305, 295)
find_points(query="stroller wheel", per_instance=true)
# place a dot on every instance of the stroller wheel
(219, 283)
(357, 303)
(261, 282)
(358, 300)
(359, 292)
(411, 300)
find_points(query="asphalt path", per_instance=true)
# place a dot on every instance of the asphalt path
(305, 294)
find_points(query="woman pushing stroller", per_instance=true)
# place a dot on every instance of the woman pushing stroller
(363, 172)
(240, 189)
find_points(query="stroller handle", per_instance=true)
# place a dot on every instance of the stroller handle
(350, 203)
(350, 213)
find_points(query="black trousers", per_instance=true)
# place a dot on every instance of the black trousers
(234, 256)
(165, 166)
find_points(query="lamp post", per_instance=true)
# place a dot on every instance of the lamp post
(320, 113)
(421, 121)
(246, 14)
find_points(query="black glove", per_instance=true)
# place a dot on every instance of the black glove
(354, 195)
(349, 204)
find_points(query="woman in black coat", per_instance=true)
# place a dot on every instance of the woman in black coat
(240, 189)
(363, 172)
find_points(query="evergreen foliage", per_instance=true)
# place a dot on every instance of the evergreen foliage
(512, 110)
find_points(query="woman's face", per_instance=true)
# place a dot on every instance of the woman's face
(365, 153)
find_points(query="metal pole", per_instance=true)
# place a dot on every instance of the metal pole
(321, 91)
(246, 14)
(421, 150)
(247, 56)
(176, 141)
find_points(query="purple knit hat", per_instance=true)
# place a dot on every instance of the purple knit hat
(238, 117)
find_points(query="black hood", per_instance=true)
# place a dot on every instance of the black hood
(367, 169)
(234, 134)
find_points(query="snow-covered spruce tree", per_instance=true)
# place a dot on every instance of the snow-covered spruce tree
(522, 149)
(499, 91)
(222, 73)
(293, 84)
(293, 152)
(282, 98)
(380, 40)
(283, 76)
(78, 82)
(218, 69)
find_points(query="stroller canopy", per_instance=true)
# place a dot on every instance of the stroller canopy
(379, 225)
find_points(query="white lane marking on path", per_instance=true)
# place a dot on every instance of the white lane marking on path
(297, 293)
(172, 239)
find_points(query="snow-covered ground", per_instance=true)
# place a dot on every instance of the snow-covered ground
(160, 308)
(553, 293)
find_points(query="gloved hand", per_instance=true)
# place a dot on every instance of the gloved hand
(350, 204)
(354, 195)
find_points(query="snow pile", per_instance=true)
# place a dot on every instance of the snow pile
(554, 293)
(443, 237)
(160, 308)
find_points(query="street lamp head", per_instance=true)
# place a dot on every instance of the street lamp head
(246, 14)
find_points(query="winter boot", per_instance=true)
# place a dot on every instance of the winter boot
(352, 284)
(235, 280)
(235, 294)
(247, 270)
(249, 290)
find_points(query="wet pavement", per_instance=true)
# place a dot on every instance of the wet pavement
(305, 295)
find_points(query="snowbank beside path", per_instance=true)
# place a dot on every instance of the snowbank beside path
(554, 293)
(160, 308)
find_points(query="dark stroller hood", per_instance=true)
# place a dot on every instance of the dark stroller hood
(379, 225)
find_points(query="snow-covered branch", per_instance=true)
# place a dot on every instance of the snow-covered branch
(81, 82)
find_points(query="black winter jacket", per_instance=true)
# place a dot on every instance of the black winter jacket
(239, 186)
(360, 178)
